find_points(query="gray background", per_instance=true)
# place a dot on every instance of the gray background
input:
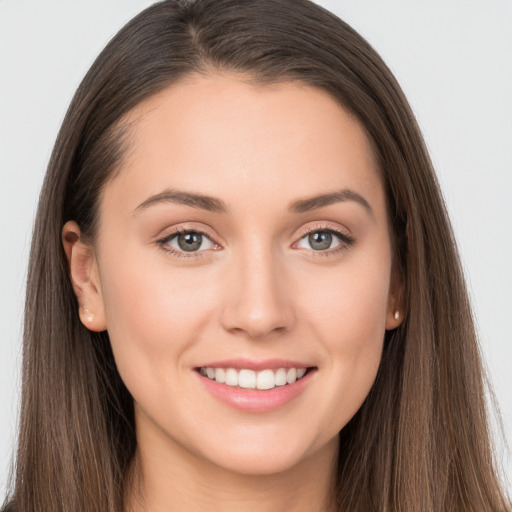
(453, 60)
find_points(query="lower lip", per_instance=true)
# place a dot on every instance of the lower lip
(256, 400)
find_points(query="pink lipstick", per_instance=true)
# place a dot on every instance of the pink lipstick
(255, 386)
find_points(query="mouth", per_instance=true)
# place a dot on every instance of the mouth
(246, 378)
(256, 387)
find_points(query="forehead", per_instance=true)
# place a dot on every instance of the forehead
(252, 145)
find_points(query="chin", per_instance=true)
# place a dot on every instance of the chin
(258, 464)
(264, 456)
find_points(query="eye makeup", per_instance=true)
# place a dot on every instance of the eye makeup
(328, 233)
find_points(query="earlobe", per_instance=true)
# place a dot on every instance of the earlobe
(394, 317)
(393, 320)
(84, 275)
(396, 308)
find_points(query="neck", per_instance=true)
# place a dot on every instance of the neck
(157, 484)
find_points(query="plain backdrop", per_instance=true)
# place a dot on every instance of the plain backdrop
(453, 60)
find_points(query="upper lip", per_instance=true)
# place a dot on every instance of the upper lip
(249, 364)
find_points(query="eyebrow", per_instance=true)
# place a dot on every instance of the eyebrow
(215, 205)
(321, 200)
(200, 201)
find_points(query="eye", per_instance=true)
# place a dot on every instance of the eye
(324, 239)
(187, 241)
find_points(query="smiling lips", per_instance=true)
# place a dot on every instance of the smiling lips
(250, 379)
(255, 387)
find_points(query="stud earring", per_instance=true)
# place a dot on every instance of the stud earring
(397, 314)
(88, 315)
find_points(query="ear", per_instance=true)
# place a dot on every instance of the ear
(396, 307)
(84, 275)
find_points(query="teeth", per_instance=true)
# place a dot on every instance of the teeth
(281, 377)
(249, 379)
(231, 377)
(266, 380)
(220, 375)
(291, 375)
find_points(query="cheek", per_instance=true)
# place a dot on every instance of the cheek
(349, 305)
(154, 313)
(352, 327)
(349, 318)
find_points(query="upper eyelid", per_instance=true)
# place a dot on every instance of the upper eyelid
(169, 233)
(344, 238)
(163, 242)
(300, 235)
(324, 227)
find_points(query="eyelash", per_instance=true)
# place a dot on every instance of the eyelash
(163, 242)
(346, 241)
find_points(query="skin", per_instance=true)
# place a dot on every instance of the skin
(258, 290)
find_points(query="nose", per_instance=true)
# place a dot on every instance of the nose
(257, 296)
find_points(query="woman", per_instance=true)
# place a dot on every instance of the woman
(243, 288)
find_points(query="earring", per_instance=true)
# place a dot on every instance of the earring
(397, 314)
(88, 315)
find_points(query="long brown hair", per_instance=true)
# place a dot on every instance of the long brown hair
(420, 442)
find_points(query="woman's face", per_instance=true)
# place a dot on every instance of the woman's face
(246, 236)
